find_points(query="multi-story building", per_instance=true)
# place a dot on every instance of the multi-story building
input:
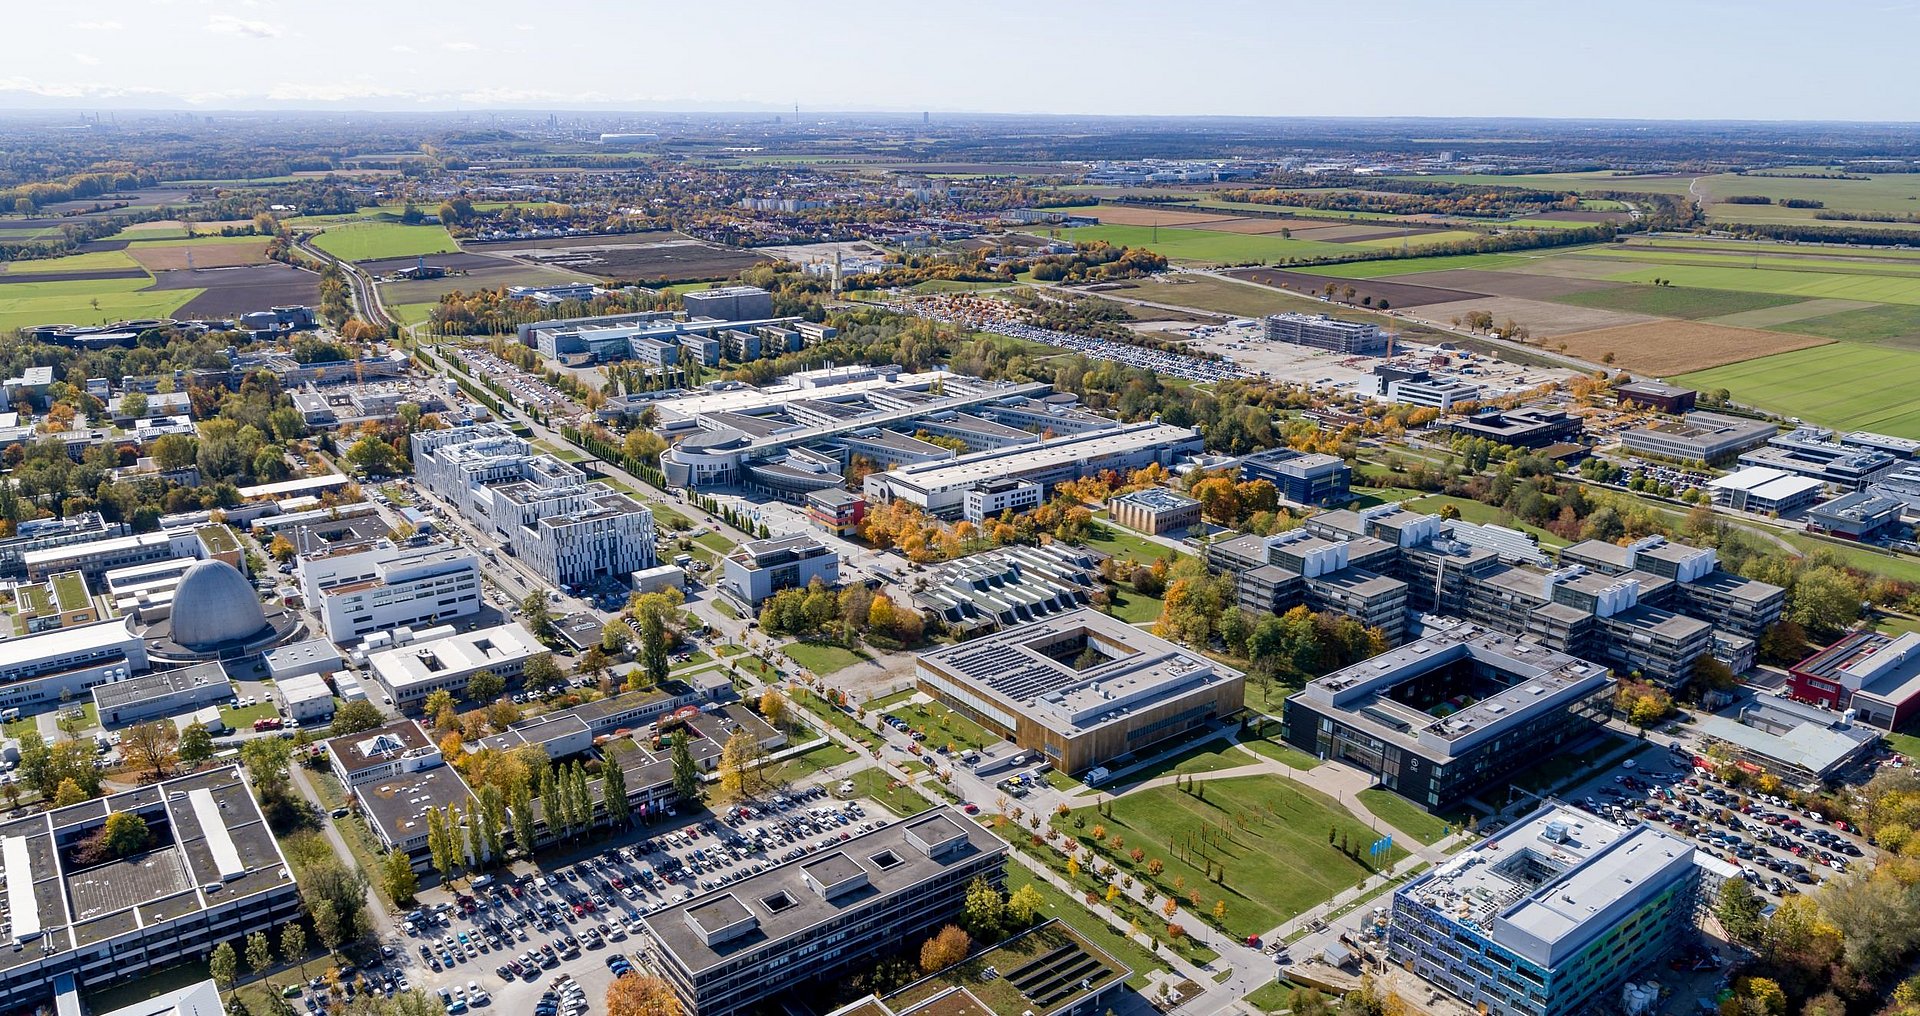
(1765, 490)
(41, 534)
(1154, 511)
(1319, 331)
(1875, 676)
(1552, 915)
(729, 303)
(62, 601)
(1435, 392)
(1050, 970)
(1296, 568)
(1082, 687)
(1861, 515)
(1746, 607)
(1309, 478)
(812, 920)
(54, 666)
(754, 571)
(997, 496)
(1812, 452)
(383, 753)
(212, 873)
(1699, 437)
(569, 530)
(837, 511)
(1527, 427)
(1007, 586)
(93, 560)
(1451, 713)
(383, 587)
(941, 487)
(163, 693)
(1654, 395)
(412, 672)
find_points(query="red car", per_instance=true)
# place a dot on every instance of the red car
(970, 808)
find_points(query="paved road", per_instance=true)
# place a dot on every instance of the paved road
(384, 927)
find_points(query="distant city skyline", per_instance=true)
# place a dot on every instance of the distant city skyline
(1633, 59)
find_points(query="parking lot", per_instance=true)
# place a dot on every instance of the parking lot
(1780, 849)
(505, 941)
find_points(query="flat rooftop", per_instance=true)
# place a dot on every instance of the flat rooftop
(119, 694)
(398, 803)
(1767, 482)
(979, 467)
(1157, 499)
(379, 746)
(1077, 670)
(731, 923)
(422, 662)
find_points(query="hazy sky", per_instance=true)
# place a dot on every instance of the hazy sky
(1678, 59)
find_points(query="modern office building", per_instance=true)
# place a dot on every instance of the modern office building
(1765, 490)
(752, 572)
(1527, 427)
(212, 873)
(1297, 568)
(1007, 586)
(383, 586)
(999, 496)
(814, 919)
(1436, 392)
(1155, 511)
(1699, 437)
(1812, 452)
(1861, 515)
(1872, 675)
(1309, 478)
(940, 488)
(1701, 588)
(1664, 398)
(39, 671)
(61, 601)
(1804, 745)
(162, 693)
(41, 534)
(1451, 713)
(411, 672)
(836, 511)
(568, 530)
(1319, 331)
(1550, 916)
(94, 559)
(729, 303)
(1082, 687)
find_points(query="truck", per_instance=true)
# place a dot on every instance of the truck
(1097, 775)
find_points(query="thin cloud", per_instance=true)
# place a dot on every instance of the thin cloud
(460, 47)
(96, 26)
(86, 59)
(227, 24)
(403, 48)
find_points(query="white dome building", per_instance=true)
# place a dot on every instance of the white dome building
(215, 605)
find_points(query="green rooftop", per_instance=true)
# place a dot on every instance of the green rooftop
(69, 590)
(219, 539)
(1040, 972)
(33, 600)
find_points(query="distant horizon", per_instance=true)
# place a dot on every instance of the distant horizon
(1700, 61)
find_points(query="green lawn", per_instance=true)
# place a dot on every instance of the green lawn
(1271, 835)
(886, 702)
(823, 658)
(242, 719)
(943, 726)
(1281, 752)
(1900, 567)
(1408, 266)
(1120, 541)
(876, 785)
(1483, 514)
(715, 542)
(808, 762)
(1272, 996)
(1404, 815)
(1844, 385)
(371, 241)
(840, 721)
(1675, 301)
(694, 659)
(1135, 608)
(1210, 756)
(1205, 246)
(1890, 324)
(1415, 241)
(90, 261)
(88, 301)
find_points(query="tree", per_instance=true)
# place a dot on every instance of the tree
(125, 834)
(196, 744)
(397, 878)
(1023, 906)
(945, 949)
(355, 716)
(282, 549)
(613, 793)
(542, 672)
(371, 456)
(293, 944)
(439, 845)
(1738, 909)
(268, 761)
(439, 701)
(737, 759)
(520, 806)
(653, 647)
(153, 747)
(633, 994)
(983, 913)
(1825, 600)
(615, 637)
(485, 686)
(134, 405)
(224, 965)
(686, 774)
(69, 793)
(259, 952)
(539, 620)
(328, 925)
(773, 707)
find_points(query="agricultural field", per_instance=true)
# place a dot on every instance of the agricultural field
(200, 252)
(1199, 246)
(1847, 385)
(1370, 292)
(371, 241)
(1410, 266)
(87, 301)
(1844, 285)
(1271, 835)
(1675, 301)
(1886, 324)
(655, 257)
(1663, 348)
(84, 264)
(1222, 296)
(230, 292)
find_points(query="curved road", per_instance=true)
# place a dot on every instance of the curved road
(365, 299)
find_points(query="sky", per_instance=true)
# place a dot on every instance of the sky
(1634, 59)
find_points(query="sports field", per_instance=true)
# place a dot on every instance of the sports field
(371, 241)
(1849, 385)
(1271, 835)
(1201, 246)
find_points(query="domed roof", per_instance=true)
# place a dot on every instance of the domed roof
(215, 604)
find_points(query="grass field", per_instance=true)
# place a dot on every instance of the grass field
(943, 726)
(1285, 754)
(1404, 815)
(73, 302)
(1890, 324)
(1109, 538)
(1408, 266)
(92, 261)
(1270, 835)
(876, 785)
(1418, 240)
(1675, 301)
(1872, 288)
(371, 241)
(1207, 247)
(1135, 608)
(823, 657)
(1850, 385)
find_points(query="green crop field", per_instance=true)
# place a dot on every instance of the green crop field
(1602, 180)
(74, 302)
(1302, 212)
(1847, 385)
(1199, 245)
(1272, 838)
(92, 261)
(1868, 288)
(1416, 241)
(1408, 266)
(371, 241)
(1891, 324)
(1675, 301)
(1809, 262)
(1720, 245)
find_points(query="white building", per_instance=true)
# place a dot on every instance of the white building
(1005, 495)
(384, 587)
(40, 670)
(411, 672)
(307, 697)
(313, 656)
(1442, 393)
